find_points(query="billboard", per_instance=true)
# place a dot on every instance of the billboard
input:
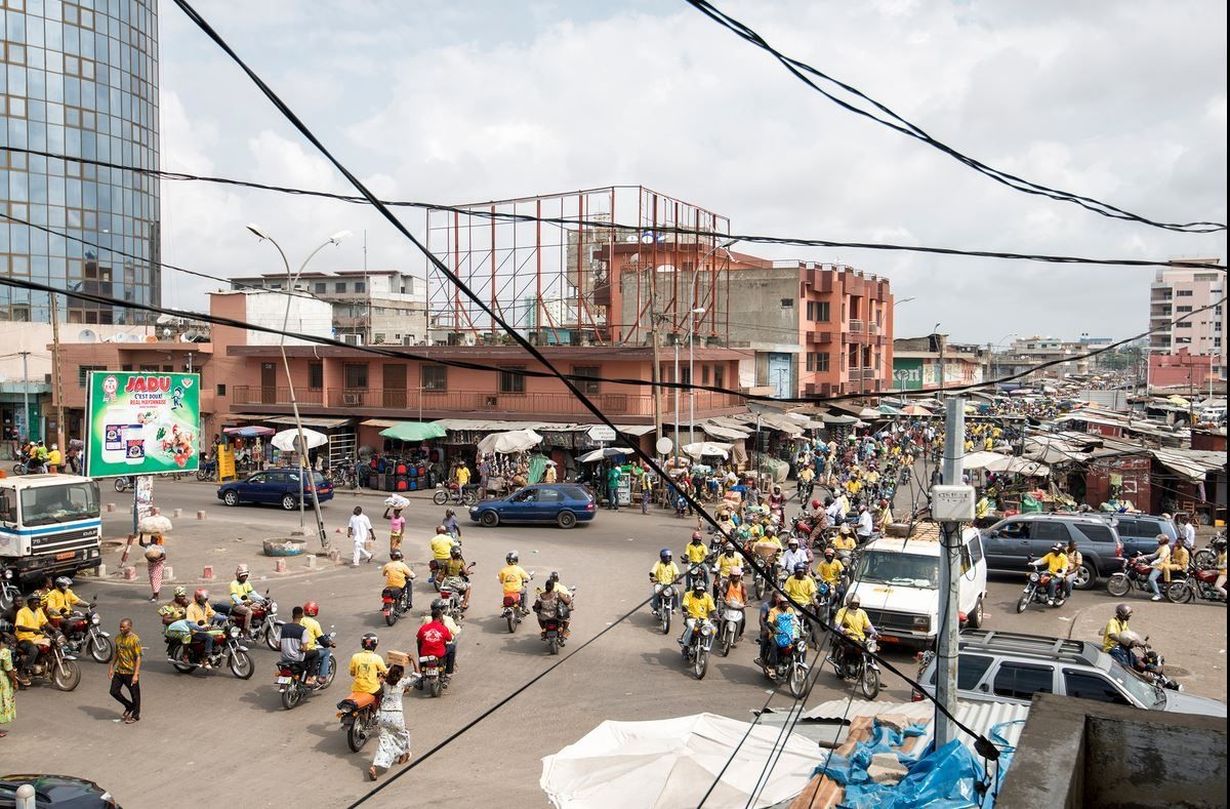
(142, 423)
(907, 373)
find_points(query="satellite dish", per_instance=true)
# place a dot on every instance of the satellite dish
(191, 336)
(664, 446)
(87, 336)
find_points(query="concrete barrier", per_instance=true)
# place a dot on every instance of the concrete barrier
(279, 566)
(179, 512)
(110, 507)
(311, 561)
(208, 573)
(130, 573)
(200, 515)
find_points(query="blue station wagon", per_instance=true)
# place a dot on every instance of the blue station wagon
(280, 486)
(564, 504)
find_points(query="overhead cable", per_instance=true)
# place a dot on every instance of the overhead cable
(804, 71)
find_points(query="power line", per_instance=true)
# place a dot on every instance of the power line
(905, 127)
(505, 216)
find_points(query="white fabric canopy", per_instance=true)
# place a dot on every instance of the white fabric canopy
(1021, 466)
(981, 460)
(287, 440)
(704, 449)
(670, 763)
(604, 452)
(509, 442)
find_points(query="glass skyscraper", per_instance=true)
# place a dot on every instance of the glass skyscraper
(79, 78)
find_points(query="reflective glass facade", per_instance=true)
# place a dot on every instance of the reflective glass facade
(79, 78)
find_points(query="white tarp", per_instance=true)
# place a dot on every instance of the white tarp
(509, 442)
(707, 449)
(669, 763)
(981, 460)
(1020, 466)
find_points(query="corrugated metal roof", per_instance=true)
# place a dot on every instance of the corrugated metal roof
(978, 715)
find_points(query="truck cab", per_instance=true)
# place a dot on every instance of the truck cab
(898, 582)
(49, 525)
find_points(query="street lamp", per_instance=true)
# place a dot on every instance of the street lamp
(935, 332)
(995, 348)
(692, 316)
(335, 239)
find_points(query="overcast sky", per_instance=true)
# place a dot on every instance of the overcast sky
(465, 101)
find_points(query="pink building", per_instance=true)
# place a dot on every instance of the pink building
(1180, 369)
(1176, 292)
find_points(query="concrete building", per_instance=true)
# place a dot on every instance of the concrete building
(1029, 352)
(813, 329)
(1179, 291)
(81, 80)
(1181, 369)
(370, 307)
(922, 362)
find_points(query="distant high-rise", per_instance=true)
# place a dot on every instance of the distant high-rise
(1176, 292)
(80, 79)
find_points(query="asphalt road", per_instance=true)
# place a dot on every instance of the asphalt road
(210, 739)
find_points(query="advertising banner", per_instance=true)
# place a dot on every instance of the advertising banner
(907, 373)
(142, 423)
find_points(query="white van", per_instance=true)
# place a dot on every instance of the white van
(897, 581)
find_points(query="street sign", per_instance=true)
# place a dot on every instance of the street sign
(142, 423)
(601, 433)
(664, 446)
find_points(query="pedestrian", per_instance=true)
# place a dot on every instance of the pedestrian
(8, 685)
(646, 493)
(156, 556)
(397, 529)
(394, 746)
(360, 532)
(125, 672)
(55, 459)
(613, 477)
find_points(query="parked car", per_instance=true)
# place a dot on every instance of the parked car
(1012, 667)
(57, 792)
(1139, 532)
(564, 504)
(1012, 542)
(279, 486)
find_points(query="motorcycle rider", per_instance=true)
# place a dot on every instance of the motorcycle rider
(243, 595)
(830, 570)
(293, 644)
(697, 606)
(807, 480)
(366, 667)
(883, 516)
(844, 542)
(441, 545)
(1219, 548)
(1113, 643)
(794, 556)
(1056, 563)
(30, 636)
(62, 598)
(552, 603)
(456, 567)
(777, 502)
(801, 587)
(450, 524)
(781, 630)
(728, 561)
(734, 596)
(1158, 560)
(315, 639)
(695, 553)
(200, 616)
(1075, 560)
(397, 575)
(450, 661)
(865, 525)
(433, 639)
(665, 572)
(513, 579)
(855, 626)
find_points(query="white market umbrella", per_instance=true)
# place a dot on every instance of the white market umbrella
(669, 763)
(509, 442)
(288, 440)
(1020, 466)
(981, 460)
(598, 454)
(707, 449)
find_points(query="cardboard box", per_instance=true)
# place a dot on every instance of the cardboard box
(396, 658)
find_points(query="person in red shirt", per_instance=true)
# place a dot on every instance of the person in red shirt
(434, 636)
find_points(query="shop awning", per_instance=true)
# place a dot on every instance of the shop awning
(723, 432)
(379, 423)
(414, 431)
(246, 417)
(634, 429)
(310, 421)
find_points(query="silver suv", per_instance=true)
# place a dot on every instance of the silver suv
(1011, 667)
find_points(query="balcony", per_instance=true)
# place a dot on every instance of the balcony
(259, 394)
(819, 337)
(855, 327)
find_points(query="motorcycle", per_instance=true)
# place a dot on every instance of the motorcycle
(186, 657)
(513, 612)
(450, 592)
(1149, 666)
(263, 623)
(453, 494)
(1035, 591)
(125, 483)
(792, 667)
(730, 626)
(9, 591)
(393, 608)
(290, 681)
(84, 634)
(1134, 576)
(208, 470)
(666, 606)
(761, 583)
(358, 715)
(1206, 557)
(55, 663)
(1197, 584)
(431, 675)
(553, 626)
(696, 653)
(861, 667)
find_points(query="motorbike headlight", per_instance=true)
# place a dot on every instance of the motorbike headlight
(8, 574)
(61, 640)
(273, 607)
(668, 591)
(95, 619)
(233, 632)
(1033, 576)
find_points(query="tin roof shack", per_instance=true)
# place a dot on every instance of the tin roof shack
(1080, 753)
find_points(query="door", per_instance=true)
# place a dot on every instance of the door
(249, 490)
(394, 393)
(1005, 547)
(1046, 534)
(549, 503)
(779, 375)
(269, 383)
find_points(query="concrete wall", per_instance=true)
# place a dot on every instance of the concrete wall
(1079, 754)
(35, 337)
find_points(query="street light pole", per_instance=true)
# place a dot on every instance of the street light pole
(301, 441)
(700, 310)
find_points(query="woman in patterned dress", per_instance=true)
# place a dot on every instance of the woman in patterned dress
(394, 747)
(8, 685)
(156, 564)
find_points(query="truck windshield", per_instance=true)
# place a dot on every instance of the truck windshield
(46, 505)
(902, 569)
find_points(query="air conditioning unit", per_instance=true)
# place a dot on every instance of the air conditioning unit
(491, 402)
(352, 399)
(352, 339)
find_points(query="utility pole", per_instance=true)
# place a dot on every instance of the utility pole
(950, 503)
(25, 395)
(55, 368)
(657, 374)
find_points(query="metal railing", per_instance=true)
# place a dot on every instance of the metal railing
(856, 326)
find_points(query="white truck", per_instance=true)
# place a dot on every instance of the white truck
(49, 525)
(897, 581)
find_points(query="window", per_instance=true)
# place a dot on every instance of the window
(970, 669)
(340, 286)
(586, 370)
(1083, 685)
(1097, 533)
(8, 506)
(316, 375)
(360, 286)
(221, 389)
(1183, 308)
(1051, 532)
(549, 496)
(434, 377)
(511, 381)
(320, 287)
(355, 375)
(822, 359)
(1016, 529)
(719, 376)
(822, 311)
(1183, 324)
(704, 374)
(811, 361)
(83, 373)
(787, 303)
(1023, 680)
(1184, 293)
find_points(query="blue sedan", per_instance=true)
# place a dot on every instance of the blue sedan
(564, 504)
(280, 486)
